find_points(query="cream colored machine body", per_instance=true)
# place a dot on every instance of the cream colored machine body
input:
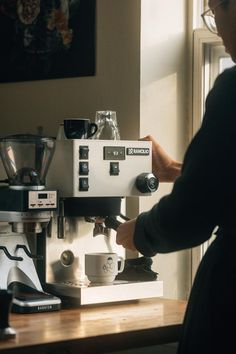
(93, 178)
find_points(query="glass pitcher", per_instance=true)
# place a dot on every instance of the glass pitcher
(107, 126)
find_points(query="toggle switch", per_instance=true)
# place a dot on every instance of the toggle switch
(83, 184)
(114, 168)
(84, 168)
(84, 152)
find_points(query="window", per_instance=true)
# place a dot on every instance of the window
(219, 61)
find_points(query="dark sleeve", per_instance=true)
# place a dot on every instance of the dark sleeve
(204, 195)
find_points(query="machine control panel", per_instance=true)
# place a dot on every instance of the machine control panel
(42, 200)
(83, 168)
(102, 168)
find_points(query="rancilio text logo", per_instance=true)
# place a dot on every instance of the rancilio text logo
(134, 151)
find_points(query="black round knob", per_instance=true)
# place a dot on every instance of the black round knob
(147, 183)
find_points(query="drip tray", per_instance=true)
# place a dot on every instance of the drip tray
(119, 290)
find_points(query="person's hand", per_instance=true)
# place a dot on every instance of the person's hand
(125, 234)
(164, 167)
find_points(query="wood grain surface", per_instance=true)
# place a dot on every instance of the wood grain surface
(97, 329)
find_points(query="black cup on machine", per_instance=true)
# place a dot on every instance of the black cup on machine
(79, 128)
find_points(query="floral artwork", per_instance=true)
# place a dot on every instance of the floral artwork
(46, 39)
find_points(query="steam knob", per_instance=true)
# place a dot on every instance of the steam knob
(6, 332)
(147, 183)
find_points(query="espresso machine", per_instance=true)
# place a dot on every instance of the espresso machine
(94, 178)
(26, 209)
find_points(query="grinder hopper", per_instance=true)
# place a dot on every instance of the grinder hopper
(26, 159)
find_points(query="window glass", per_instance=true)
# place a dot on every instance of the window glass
(225, 63)
(219, 60)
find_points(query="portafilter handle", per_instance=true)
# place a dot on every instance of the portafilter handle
(111, 222)
(6, 332)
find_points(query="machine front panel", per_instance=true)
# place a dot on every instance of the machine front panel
(93, 168)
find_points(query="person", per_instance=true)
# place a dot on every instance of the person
(202, 200)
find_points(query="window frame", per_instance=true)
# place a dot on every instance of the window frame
(201, 39)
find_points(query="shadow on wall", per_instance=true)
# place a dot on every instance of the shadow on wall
(159, 60)
(163, 60)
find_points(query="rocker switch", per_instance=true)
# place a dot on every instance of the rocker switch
(114, 168)
(83, 184)
(84, 152)
(83, 168)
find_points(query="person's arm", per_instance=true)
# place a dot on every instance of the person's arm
(125, 234)
(202, 197)
(184, 218)
(164, 167)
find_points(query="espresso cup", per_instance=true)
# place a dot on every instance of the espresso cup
(103, 267)
(79, 128)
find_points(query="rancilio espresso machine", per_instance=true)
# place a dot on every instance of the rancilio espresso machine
(93, 178)
(26, 209)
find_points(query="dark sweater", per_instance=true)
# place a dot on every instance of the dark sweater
(203, 197)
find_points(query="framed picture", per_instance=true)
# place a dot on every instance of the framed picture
(48, 39)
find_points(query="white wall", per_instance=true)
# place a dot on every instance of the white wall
(163, 109)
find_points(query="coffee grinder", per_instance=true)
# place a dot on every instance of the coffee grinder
(27, 207)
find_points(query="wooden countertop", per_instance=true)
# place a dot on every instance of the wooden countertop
(96, 329)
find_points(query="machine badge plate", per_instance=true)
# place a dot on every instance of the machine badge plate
(134, 151)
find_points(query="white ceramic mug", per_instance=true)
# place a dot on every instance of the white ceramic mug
(103, 267)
